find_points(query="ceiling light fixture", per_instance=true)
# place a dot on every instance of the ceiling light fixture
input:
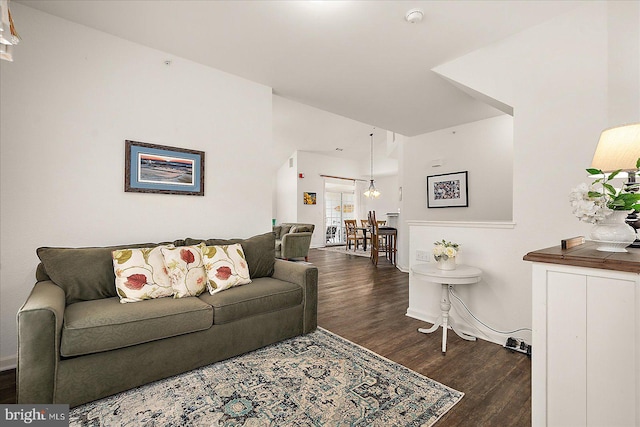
(414, 16)
(372, 192)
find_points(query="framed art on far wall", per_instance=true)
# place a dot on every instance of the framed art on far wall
(151, 168)
(309, 198)
(447, 190)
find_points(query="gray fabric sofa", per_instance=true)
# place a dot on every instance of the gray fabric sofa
(293, 240)
(78, 343)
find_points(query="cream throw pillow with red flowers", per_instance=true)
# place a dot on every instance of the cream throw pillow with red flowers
(226, 267)
(186, 271)
(141, 274)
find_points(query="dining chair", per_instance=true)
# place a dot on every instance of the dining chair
(383, 240)
(375, 241)
(365, 224)
(351, 227)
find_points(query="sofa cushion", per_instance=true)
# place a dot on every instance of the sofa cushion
(105, 324)
(226, 267)
(300, 229)
(284, 229)
(263, 295)
(84, 273)
(278, 245)
(259, 251)
(141, 274)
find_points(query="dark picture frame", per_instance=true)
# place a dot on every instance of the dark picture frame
(309, 198)
(152, 168)
(448, 190)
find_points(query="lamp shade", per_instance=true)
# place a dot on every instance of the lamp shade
(618, 148)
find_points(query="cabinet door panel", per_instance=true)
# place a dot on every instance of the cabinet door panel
(566, 349)
(611, 352)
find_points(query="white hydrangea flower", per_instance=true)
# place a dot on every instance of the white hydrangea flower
(588, 209)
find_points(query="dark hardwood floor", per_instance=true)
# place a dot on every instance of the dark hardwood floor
(367, 305)
(8, 387)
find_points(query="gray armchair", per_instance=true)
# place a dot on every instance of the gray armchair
(293, 240)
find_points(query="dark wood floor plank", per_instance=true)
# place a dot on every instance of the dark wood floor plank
(367, 305)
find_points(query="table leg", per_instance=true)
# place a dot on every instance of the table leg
(434, 328)
(460, 333)
(443, 320)
(445, 306)
(364, 241)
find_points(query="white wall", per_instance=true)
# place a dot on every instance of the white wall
(313, 165)
(496, 299)
(287, 191)
(70, 99)
(556, 78)
(624, 61)
(388, 201)
(484, 149)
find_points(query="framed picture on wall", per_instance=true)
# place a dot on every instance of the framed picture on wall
(309, 198)
(151, 168)
(447, 190)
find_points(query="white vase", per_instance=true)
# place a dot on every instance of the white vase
(447, 264)
(613, 234)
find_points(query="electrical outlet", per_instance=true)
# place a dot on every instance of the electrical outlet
(518, 345)
(422, 255)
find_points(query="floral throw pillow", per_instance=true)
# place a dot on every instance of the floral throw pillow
(141, 274)
(226, 267)
(186, 271)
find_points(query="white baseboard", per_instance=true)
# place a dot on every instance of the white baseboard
(402, 268)
(7, 363)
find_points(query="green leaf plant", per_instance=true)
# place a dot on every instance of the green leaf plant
(625, 199)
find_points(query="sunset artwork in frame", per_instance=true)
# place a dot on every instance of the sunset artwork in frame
(151, 168)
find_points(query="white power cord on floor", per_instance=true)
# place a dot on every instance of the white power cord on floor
(480, 321)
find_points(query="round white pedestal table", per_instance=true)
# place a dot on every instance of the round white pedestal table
(462, 275)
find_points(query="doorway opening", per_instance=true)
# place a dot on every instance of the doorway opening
(339, 204)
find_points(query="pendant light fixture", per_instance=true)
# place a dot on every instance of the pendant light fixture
(372, 192)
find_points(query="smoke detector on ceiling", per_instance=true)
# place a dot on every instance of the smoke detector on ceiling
(414, 16)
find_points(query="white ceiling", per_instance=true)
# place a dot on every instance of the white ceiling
(356, 59)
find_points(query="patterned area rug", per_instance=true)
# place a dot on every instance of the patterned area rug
(319, 379)
(344, 250)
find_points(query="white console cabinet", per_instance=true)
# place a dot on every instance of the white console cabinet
(586, 337)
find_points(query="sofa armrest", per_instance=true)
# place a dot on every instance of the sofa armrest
(306, 276)
(39, 329)
(295, 245)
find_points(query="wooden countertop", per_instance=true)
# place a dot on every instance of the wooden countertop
(586, 255)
